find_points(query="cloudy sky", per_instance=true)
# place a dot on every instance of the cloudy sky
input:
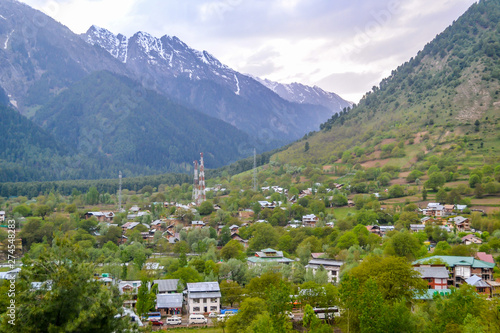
(344, 46)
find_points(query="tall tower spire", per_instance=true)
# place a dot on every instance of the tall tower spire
(202, 179)
(195, 183)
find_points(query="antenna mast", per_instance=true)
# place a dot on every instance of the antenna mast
(195, 183)
(254, 170)
(202, 180)
(120, 191)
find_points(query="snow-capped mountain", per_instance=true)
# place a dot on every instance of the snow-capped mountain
(199, 80)
(302, 94)
(168, 54)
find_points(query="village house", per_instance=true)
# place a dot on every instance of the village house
(310, 220)
(169, 304)
(234, 228)
(2, 215)
(203, 297)
(436, 276)
(268, 256)
(294, 224)
(101, 216)
(417, 227)
(460, 222)
(270, 205)
(240, 240)
(129, 225)
(374, 229)
(331, 266)
(460, 268)
(471, 239)
(197, 224)
(168, 286)
(385, 229)
(482, 287)
(485, 257)
(129, 291)
(434, 209)
(448, 209)
(159, 225)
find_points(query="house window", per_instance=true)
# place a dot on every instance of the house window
(213, 300)
(196, 309)
(204, 300)
(213, 308)
(196, 301)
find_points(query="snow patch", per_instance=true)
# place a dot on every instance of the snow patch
(237, 92)
(7, 40)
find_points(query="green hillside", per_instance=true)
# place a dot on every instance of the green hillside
(447, 98)
(114, 117)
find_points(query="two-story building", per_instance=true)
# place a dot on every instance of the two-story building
(310, 220)
(267, 256)
(436, 276)
(460, 268)
(331, 266)
(460, 222)
(168, 300)
(203, 297)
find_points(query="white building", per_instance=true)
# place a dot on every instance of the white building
(332, 267)
(2, 215)
(203, 297)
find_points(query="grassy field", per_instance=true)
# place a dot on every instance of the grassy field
(342, 212)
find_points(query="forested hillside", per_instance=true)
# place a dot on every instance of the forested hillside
(114, 118)
(449, 89)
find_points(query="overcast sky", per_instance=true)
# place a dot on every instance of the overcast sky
(344, 46)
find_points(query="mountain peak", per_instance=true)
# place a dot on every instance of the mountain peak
(303, 94)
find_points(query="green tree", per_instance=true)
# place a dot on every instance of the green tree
(279, 304)
(249, 309)
(396, 278)
(206, 208)
(473, 180)
(92, 196)
(424, 194)
(371, 306)
(435, 180)
(231, 292)
(145, 299)
(454, 309)
(264, 236)
(349, 301)
(441, 196)
(396, 191)
(347, 240)
(403, 244)
(69, 299)
(233, 249)
(22, 210)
